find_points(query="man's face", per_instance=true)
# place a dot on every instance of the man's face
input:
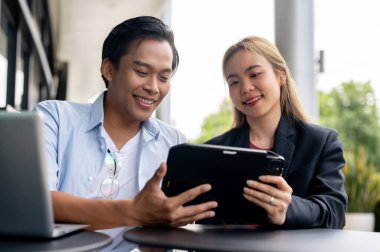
(141, 81)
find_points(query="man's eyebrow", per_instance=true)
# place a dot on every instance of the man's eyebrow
(245, 71)
(140, 63)
(143, 64)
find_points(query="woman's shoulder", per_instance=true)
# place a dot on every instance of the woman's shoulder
(315, 129)
(226, 138)
(315, 133)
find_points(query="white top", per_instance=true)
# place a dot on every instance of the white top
(126, 158)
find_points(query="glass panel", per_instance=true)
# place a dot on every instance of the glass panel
(3, 67)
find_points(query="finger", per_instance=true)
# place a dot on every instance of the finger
(192, 219)
(158, 175)
(195, 212)
(190, 194)
(269, 189)
(278, 181)
(263, 197)
(258, 202)
(265, 188)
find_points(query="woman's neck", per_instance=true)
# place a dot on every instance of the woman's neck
(262, 130)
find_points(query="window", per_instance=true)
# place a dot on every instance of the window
(3, 67)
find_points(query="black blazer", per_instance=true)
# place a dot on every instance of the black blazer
(313, 162)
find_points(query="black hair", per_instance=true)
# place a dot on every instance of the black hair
(124, 34)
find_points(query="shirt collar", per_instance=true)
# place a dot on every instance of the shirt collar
(96, 114)
(150, 127)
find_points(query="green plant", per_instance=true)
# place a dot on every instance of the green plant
(216, 123)
(362, 182)
(351, 109)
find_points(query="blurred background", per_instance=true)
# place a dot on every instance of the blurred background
(51, 49)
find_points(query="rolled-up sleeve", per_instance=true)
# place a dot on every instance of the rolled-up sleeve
(49, 118)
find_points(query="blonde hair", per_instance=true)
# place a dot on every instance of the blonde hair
(289, 102)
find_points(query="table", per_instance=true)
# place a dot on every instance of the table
(79, 241)
(232, 238)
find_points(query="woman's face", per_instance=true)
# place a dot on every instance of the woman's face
(253, 85)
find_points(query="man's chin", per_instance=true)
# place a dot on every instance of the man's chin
(143, 116)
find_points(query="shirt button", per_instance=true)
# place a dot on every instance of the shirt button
(90, 178)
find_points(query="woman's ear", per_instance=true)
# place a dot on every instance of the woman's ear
(107, 69)
(282, 78)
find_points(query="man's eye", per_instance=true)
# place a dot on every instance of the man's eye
(164, 79)
(141, 73)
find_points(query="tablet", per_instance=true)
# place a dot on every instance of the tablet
(227, 169)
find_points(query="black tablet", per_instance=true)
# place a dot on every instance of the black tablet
(227, 169)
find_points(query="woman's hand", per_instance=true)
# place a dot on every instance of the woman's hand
(152, 207)
(274, 195)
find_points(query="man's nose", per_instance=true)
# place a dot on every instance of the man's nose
(152, 85)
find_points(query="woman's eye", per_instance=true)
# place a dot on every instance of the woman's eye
(254, 75)
(233, 83)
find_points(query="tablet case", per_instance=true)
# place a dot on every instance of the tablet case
(227, 169)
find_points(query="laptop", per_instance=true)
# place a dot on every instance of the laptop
(227, 169)
(25, 202)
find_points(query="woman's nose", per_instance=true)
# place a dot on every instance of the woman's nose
(246, 87)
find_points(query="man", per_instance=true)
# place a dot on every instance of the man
(102, 156)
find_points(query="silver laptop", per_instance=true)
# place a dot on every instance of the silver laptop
(25, 202)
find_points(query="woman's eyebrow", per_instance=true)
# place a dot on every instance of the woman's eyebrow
(251, 67)
(245, 71)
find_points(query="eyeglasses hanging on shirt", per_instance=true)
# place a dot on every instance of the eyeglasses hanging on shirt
(110, 185)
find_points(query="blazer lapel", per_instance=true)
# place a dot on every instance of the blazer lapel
(283, 143)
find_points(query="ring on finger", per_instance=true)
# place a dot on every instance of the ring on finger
(270, 202)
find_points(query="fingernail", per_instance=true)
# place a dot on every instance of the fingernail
(250, 182)
(262, 177)
(208, 187)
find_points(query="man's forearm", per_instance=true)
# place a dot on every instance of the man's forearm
(99, 214)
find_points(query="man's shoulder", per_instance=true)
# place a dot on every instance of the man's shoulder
(63, 110)
(166, 130)
(64, 106)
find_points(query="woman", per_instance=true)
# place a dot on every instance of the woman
(268, 115)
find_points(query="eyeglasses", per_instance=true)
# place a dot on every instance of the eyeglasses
(110, 185)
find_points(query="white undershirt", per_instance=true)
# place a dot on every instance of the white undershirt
(127, 175)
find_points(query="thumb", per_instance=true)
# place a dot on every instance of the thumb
(159, 174)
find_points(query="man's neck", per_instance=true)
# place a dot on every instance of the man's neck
(119, 129)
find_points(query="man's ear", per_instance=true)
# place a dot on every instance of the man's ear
(107, 69)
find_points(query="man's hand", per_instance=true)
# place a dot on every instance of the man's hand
(152, 207)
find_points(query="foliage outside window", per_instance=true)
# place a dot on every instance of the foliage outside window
(351, 109)
(362, 182)
(216, 123)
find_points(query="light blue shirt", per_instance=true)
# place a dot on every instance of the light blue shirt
(76, 150)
